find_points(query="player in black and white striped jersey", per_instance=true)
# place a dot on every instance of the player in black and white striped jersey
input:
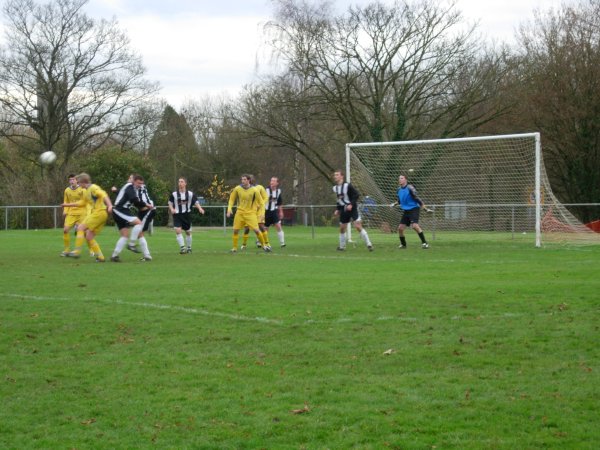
(181, 203)
(274, 209)
(124, 218)
(146, 215)
(347, 209)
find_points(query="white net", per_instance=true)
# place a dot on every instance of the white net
(472, 184)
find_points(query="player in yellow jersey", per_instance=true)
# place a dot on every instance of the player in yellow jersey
(90, 227)
(260, 216)
(73, 215)
(248, 201)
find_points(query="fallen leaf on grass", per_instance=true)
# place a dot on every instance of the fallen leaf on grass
(88, 422)
(389, 351)
(301, 410)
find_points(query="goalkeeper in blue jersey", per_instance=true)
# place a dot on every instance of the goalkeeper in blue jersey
(411, 205)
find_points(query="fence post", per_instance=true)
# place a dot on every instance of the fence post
(27, 218)
(312, 220)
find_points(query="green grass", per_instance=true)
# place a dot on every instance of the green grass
(491, 344)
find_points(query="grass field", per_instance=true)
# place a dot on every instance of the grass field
(481, 342)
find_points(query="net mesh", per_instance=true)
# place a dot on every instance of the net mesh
(472, 184)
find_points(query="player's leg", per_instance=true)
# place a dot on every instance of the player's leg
(245, 237)
(280, 233)
(342, 235)
(363, 234)
(188, 239)
(121, 242)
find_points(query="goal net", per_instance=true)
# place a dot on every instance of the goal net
(493, 183)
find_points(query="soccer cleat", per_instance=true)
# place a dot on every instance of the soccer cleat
(370, 247)
(233, 250)
(92, 254)
(115, 258)
(73, 254)
(100, 259)
(132, 247)
(341, 249)
(403, 247)
(282, 245)
(258, 244)
(189, 250)
(146, 258)
(425, 245)
(267, 249)
(243, 247)
(182, 251)
(65, 253)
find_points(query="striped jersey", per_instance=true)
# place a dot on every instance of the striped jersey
(182, 202)
(144, 196)
(274, 199)
(126, 198)
(346, 195)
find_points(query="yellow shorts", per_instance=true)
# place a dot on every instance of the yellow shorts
(243, 219)
(96, 220)
(74, 219)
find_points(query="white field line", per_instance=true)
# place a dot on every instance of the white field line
(237, 317)
(184, 309)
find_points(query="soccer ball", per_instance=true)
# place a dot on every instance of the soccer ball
(48, 157)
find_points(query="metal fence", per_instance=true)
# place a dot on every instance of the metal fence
(313, 216)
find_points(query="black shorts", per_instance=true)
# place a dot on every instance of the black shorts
(146, 217)
(410, 216)
(183, 221)
(123, 219)
(271, 218)
(348, 216)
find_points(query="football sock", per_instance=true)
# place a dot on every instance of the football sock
(281, 237)
(422, 236)
(188, 239)
(236, 238)
(179, 239)
(260, 237)
(245, 237)
(342, 240)
(365, 236)
(66, 241)
(144, 246)
(79, 240)
(265, 235)
(135, 232)
(95, 248)
(403, 241)
(121, 243)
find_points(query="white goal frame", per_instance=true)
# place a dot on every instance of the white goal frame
(541, 196)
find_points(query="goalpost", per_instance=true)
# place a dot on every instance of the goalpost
(491, 183)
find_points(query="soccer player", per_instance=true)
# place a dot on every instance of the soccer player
(146, 215)
(411, 204)
(181, 203)
(347, 210)
(94, 221)
(72, 215)
(260, 217)
(274, 209)
(248, 201)
(127, 197)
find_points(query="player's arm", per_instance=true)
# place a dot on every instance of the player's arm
(280, 207)
(232, 199)
(197, 204)
(413, 192)
(353, 195)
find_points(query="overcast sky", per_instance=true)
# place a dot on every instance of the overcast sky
(196, 48)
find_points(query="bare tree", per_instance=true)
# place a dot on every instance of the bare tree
(559, 83)
(67, 82)
(409, 70)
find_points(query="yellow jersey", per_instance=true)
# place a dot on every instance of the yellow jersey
(93, 198)
(248, 200)
(265, 198)
(74, 196)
